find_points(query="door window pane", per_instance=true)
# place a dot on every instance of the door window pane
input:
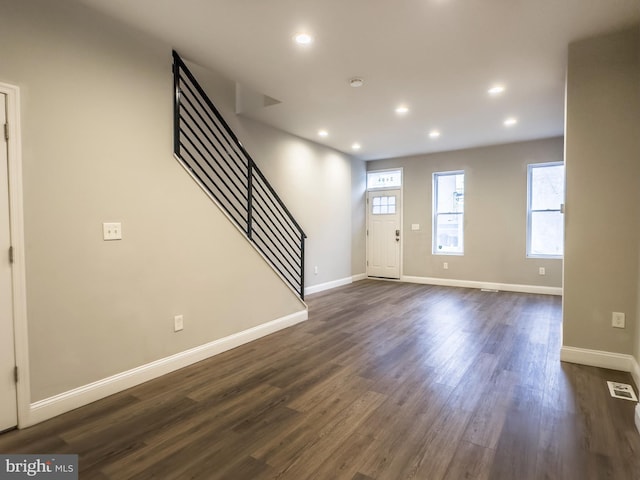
(383, 205)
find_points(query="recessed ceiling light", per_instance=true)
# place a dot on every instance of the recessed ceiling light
(402, 109)
(356, 82)
(355, 146)
(303, 38)
(323, 133)
(496, 90)
(509, 122)
(434, 133)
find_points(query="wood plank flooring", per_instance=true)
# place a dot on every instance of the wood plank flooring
(385, 381)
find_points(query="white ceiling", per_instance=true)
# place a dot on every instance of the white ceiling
(439, 57)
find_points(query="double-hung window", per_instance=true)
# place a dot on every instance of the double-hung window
(448, 213)
(545, 223)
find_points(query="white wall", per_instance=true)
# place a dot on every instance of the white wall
(97, 146)
(495, 213)
(315, 183)
(603, 198)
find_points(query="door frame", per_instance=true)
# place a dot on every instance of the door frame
(366, 213)
(18, 270)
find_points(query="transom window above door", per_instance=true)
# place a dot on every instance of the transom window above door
(384, 179)
(383, 205)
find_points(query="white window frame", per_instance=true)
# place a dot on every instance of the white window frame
(530, 169)
(385, 187)
(435, 213)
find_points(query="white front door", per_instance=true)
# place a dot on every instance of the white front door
(383, 233)
(8, 403)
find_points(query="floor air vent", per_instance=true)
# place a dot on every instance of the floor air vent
(622, 390)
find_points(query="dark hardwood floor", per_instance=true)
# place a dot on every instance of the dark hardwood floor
(385, 381)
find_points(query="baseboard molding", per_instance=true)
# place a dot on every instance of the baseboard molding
(78, 397)
(328, 285)
(635, 371)
(506, 287)
(636, 417)
(358, 277)
(602, 359)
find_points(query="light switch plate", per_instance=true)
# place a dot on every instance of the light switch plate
(112, 231)
(415, 226)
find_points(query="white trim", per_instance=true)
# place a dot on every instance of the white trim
(635, 371)
(598, 358)
(358, 277)
(636, 417)
(66, 401)
(18, 269)
(507, 287)
(328, 285)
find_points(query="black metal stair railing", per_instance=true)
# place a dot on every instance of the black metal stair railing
(206, 145)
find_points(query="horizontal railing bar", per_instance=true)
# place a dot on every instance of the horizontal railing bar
(209, 191)
(267, 223)
(204, 96)
(273, 192)
(233, 136)
(224, 141)
(277, 250)
(237, 160)
(286, 254)
(241, 180)
(218, 161)
(286, 274)
(267, 217)
(243, 198)
(227, 201)
(268, 202)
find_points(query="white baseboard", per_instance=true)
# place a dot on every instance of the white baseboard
(506, 287)
(636, 417)
(602, 359)
(358, 277)
(328, 285)
(78, 397)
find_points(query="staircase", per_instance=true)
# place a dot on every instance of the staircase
(208, 148)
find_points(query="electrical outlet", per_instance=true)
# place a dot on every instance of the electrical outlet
(542, 271)
(112, 231)
(617, 320)
(415, 226)
(178, 323)
(445, 265)
(315, 270)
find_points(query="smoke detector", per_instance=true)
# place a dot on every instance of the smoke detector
(356, 82)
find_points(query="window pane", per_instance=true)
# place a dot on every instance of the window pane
(547, 232)
(450, 193)
(449, 233)
(547, 187)
(384, 179)
(376, 210)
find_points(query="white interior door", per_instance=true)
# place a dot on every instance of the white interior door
(8, 402)
(383, 233)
